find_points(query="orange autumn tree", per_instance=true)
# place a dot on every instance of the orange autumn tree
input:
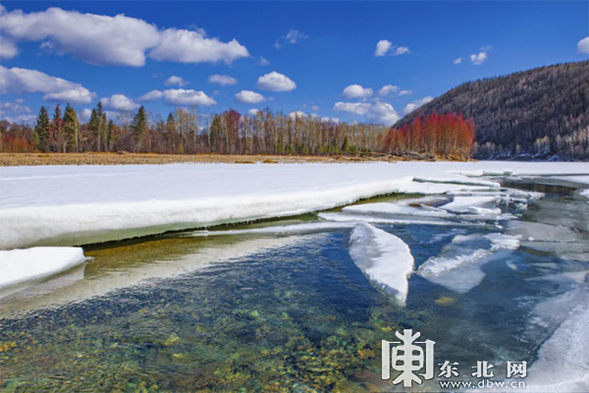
(442, 135)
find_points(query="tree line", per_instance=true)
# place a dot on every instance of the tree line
(185, 131)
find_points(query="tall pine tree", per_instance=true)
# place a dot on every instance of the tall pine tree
(71, 127)
(140, 129)
(41, 135)
(57, 137)
(110, 135)
(94, 126)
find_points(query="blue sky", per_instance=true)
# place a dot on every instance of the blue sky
(314, 50)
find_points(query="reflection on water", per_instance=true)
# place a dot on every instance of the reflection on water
(271, 313)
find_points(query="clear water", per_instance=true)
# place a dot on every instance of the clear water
(269, 313)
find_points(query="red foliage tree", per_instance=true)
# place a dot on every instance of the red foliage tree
(442, 135)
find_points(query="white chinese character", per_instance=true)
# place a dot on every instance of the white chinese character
(483, 370)
(448, 370)
(515, 369)
(408, 358)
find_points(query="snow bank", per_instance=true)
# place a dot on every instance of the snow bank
(35, 264)
(384, 258)
(74, 205)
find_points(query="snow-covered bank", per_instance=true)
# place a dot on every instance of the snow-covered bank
(74, 205)
(20, 267)
(384, 258)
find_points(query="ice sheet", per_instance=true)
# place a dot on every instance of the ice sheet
(384, 258)
(35, 264)
(74, 205)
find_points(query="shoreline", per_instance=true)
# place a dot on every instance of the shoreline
(92, 158)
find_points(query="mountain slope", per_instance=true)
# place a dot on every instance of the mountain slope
(542, 111)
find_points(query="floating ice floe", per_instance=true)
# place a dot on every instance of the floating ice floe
(505, 196)
(22, 268)
(562, 363)
(384, 258)
(345, 217)
(473, 205)
(423, 211)
(459, 266)
(565, 242)
(468, 181)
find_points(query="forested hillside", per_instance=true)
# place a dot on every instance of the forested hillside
(542, 113)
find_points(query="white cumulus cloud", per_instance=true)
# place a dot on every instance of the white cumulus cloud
(152, 95)
(7, 48)
(382, 47)
(22, 80)
(387, 90)
(479, 58)
(386, 47)
(223, 80)
(384, 113)
(357, 91)
(175, 81)
(187, 46)
(190, 97)
(275, 81)
(14, 107)
(253, 112)
(113, 40)
(379, 112)
(180, 97)
(94, 39)
(583, 45)
(119, 102)
(356, 108)
(410, 107)
(458, 60)
(249, 97)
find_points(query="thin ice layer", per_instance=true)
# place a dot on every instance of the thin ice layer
(562, 363)
(384, 258)
(458, 267)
